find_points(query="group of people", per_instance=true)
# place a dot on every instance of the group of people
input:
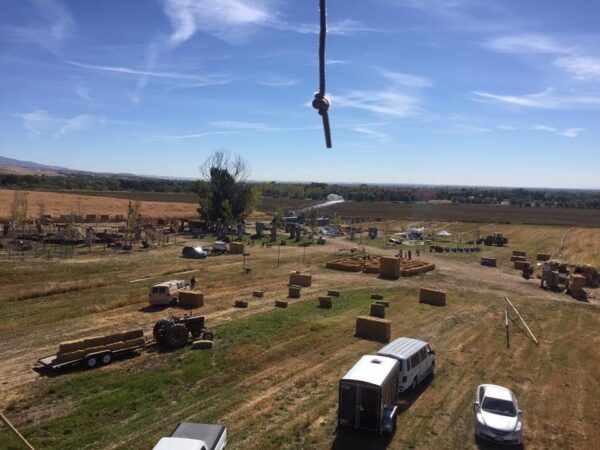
(408, 254)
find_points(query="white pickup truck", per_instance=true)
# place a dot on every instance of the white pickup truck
(194, 436)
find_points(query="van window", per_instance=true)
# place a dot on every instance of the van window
(414, 360)
(423, 354)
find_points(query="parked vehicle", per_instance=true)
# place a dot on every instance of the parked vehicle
(194, 436)
(219, 247)
(166, 293)
(175, 331)
(368, 397)
(194, 252)
(416, 361)
(497, 415)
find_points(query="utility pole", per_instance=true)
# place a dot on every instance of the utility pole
(278, 254)
(506, 325)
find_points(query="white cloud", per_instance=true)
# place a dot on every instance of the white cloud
(373, 134)
(387, 102)
(83, 92)
(526, 43)
(40, 121)
(238, 125)
(177, 137)
(544, 128)
(78, 123)
(571, 132)
(36, 121)
(49, 32)
(278, 81)
(544, 100)
(405, 79)
(580, 67)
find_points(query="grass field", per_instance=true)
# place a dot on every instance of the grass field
(272, 375)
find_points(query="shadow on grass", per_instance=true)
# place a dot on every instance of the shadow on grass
(482, 444)
(153, 308)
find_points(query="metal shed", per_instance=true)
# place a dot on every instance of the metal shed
(368, 396)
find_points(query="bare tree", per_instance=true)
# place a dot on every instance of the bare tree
(18, 209)
(221, 160)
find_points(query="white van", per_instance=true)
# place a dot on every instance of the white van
(166, 293)
(417, 360)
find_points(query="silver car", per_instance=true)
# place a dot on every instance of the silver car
(497, 415)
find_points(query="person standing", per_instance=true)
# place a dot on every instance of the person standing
(193, 283)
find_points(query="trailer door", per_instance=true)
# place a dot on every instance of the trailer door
(348, 404)
(368, 416)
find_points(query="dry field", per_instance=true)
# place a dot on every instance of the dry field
(57, 204)
(272, 376)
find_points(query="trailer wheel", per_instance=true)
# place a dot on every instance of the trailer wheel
(106, 359)
(208, 336)
(177, 335)
(91, 362)
(173, 301)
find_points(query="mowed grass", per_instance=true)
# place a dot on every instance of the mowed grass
(272, 379)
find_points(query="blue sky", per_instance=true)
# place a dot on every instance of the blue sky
(502, 93)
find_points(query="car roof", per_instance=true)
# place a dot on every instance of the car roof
(402, 348)
(499, 392)
(174, 443)
(372, 369)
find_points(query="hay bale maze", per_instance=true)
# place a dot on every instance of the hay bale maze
(432, 297)
(241, 304)
(410, 268)
(377, 310)
(387, 267)
(191, 299)
(373, 328)
(294, 291)
(345, 265)
(325, 302)
(300, 279)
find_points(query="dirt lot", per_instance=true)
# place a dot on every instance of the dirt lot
(272, 375)
(56, 204)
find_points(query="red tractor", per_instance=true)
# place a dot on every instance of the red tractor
(174, 332)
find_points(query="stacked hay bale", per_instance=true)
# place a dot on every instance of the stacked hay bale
(409, 268)
(518, 258)
(331, 293)
(383, 302)
(241, 304)
(236, 248)
(75, 350)
(519, 253)
(521, 265)
(543, 257)
(371, 264)
(345, 264)
(299, 279)
(488, 262)
(191, 299)
(70, 351)
(373, 328)
(325, 302)
(294, 291)
(389, 268)
(432, 297)
(576, 285)
(377, 310)
(281, 303)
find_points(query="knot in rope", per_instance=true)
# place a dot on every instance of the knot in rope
(321, 103)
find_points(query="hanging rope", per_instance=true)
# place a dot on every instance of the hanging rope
(320, 102)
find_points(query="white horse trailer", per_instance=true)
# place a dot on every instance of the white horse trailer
(369, 396)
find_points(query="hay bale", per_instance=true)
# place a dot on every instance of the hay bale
(70, 346)
(191, 299)
(432, 297)
(377, 310)
(241, 304)
(518, 258)
(294, 291)
(116, 346)
(488, 262)
(376, 297)
(383, 302)
(96, 341)
(519, 253)
(70, 356)
(236, 248)
(281, 304)
(201, 344)
(543, 256)
(389, 268)
(115, 337)
(299, 279)
(346, 265)
(520, 265)
(134, 334)
(258, 294)
(373, 328)
(331, 293)
(576, 281)
(325, 302)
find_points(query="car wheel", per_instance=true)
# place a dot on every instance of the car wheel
(414, 384)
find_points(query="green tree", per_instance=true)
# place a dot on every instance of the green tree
(224, 194)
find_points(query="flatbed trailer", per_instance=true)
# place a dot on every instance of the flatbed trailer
(91, 360)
